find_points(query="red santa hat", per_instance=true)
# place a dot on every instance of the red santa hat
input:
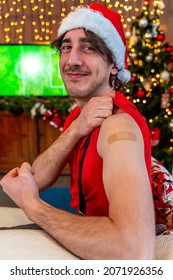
(107, 25)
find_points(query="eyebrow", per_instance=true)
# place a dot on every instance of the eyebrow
(81, 39)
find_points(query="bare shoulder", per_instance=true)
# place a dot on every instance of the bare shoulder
(118, 128)
(118, 121)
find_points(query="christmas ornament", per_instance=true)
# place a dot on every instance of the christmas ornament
(143, 22)
(47, 114)
(148, 35)
(171, 91)
(133, 37)
(140, 93)
(149, 57)
(127, 35)
(164, 75)
(161, 5)
(169, 49)
(161, 36)
(55, 121)
(42, 109)
(171, 124)
(154, 31)
(34, 109)
(155, 136)
(147, 84)
(164, 100)
(133, 79)
(147, 2)
(133, 55)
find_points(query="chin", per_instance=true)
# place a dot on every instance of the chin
(76, 91)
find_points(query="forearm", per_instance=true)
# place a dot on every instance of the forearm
(48, 166)
(76, 233)
(89, 237)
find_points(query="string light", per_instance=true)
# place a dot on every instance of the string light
(22, 21)
(38, 20)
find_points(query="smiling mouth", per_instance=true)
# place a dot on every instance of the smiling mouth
(75, 75)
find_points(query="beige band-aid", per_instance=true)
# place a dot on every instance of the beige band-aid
(123, 135)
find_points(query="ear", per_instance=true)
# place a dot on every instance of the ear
(114, 70)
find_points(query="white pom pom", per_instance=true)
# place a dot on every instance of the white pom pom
(124, 76)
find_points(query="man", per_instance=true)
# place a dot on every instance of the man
(106, 143)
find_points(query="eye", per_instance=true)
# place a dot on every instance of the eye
(88, 48)
(65, 48)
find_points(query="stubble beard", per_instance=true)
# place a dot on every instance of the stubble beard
(87, 92)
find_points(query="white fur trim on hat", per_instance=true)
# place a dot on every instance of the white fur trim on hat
(124, 75)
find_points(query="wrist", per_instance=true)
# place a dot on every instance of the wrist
(74, 131)
(34, 209)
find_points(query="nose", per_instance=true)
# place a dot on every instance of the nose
(75, 57)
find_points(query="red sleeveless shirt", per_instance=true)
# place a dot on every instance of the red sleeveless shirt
(92, 184)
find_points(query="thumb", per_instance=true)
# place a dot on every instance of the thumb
(112, 94)
(26, 167)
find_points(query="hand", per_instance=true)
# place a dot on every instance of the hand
(19, 185)
(94, 113)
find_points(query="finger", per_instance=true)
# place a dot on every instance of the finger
(13, 172)
(25, 168)
(103, 113)
(106, 105)
(112, 94)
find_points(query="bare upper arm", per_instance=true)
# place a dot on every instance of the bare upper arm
(125, 176)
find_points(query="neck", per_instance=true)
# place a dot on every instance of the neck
(82, 101)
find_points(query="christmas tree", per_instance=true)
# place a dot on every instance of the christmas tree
(151, 85)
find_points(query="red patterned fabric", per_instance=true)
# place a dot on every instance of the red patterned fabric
(162, 187)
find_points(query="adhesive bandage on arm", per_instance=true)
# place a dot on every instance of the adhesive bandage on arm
(122, 135)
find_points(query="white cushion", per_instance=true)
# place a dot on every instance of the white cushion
(23, 244)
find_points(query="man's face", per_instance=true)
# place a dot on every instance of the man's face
(84, 70)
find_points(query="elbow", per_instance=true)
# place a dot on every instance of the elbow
(133, 247)
(138, 249)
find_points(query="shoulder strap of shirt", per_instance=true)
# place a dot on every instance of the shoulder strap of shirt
(82, 203)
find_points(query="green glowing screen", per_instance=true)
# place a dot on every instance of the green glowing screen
(27, 70)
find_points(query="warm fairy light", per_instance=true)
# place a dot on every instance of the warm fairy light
(140, 63)
(16, 16)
